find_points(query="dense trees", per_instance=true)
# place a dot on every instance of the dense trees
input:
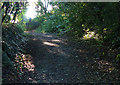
(73, 19)
(78, 19)
(10, 9)
(102, 18)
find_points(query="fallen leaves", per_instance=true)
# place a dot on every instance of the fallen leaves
(105, 66)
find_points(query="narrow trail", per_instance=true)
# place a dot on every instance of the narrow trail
(55, 60)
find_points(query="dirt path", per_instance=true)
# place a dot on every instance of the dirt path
(55, 60)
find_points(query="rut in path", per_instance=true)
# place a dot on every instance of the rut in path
(55, 60)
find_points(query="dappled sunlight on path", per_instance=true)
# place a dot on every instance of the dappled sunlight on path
(54, 60)
(50, 44)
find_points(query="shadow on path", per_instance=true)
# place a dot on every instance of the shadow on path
(56, 60)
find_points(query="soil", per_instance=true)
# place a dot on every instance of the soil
(56, 59)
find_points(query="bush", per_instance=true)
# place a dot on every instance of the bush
(12, 38)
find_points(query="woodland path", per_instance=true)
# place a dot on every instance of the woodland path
(58, 60)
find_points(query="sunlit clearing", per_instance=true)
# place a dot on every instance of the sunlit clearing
(55, 40)
(49, 7)
(31, 13)
(90, 35)
(50, 44)
(45, 3)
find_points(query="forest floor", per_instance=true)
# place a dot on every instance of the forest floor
(55, 59)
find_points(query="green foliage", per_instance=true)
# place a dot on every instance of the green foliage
(73, 19)
(9, 9)
(78, 19)
(6, 61)
(51, 23)
(35, 23)
(22, 26)
(101, 18)
(11, 41)
(118, 58)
